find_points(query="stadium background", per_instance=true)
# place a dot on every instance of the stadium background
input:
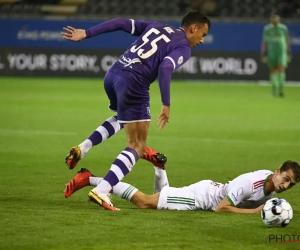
(32, 44)
(223, 123)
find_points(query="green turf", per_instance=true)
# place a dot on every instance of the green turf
(216, 131)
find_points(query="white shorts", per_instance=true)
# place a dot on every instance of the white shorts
(193, 197)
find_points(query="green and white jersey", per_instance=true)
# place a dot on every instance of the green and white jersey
(245, 191)
(276, 38)
(248, 190)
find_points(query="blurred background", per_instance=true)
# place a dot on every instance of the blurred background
(31, 43)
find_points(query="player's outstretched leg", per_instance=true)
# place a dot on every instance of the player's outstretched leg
(157, 159)
(136, 135)
(133, 195)
(81, 179)
(110, 127)
(125, 191)
(120, 167)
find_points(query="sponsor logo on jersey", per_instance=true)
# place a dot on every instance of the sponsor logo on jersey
(180, 60)
(233, 197)
(127, 62)
(148, 111)
(239, 192)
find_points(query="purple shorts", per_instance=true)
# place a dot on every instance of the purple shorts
(127, 97)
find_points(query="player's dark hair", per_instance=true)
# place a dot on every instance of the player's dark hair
(294, 166)
(194, 16)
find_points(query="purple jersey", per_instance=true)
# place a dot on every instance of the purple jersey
(158, 50)
(155, 43)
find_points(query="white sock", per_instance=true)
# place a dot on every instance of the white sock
(85, 146)
(160, 179)
(124, 190)
(94, 181)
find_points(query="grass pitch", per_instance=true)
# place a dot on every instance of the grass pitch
(216, 131)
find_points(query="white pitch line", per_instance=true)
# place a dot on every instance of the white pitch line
(10, 132)
(270, 143)
(229, 141)
(244, 83)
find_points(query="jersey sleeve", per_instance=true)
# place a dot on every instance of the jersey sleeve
(138, 26)
(179, 56)
(241, 189)
(128, 25)
(171, 62)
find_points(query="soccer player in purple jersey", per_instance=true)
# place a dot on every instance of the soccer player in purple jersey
(158, 50)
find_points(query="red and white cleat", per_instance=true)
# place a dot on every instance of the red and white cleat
(73, 157)
(102, 200)
(156, 158)
(80, 180)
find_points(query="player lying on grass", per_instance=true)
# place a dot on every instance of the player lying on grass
(245, 194)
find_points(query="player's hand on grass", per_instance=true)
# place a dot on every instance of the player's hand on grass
(163, 118)
(73, 34)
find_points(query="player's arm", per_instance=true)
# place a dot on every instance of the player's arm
(134, 27)
(241, 190)
(263, 48)
(170, 63)
(288, 44)
(264, 45)
(226, 205)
